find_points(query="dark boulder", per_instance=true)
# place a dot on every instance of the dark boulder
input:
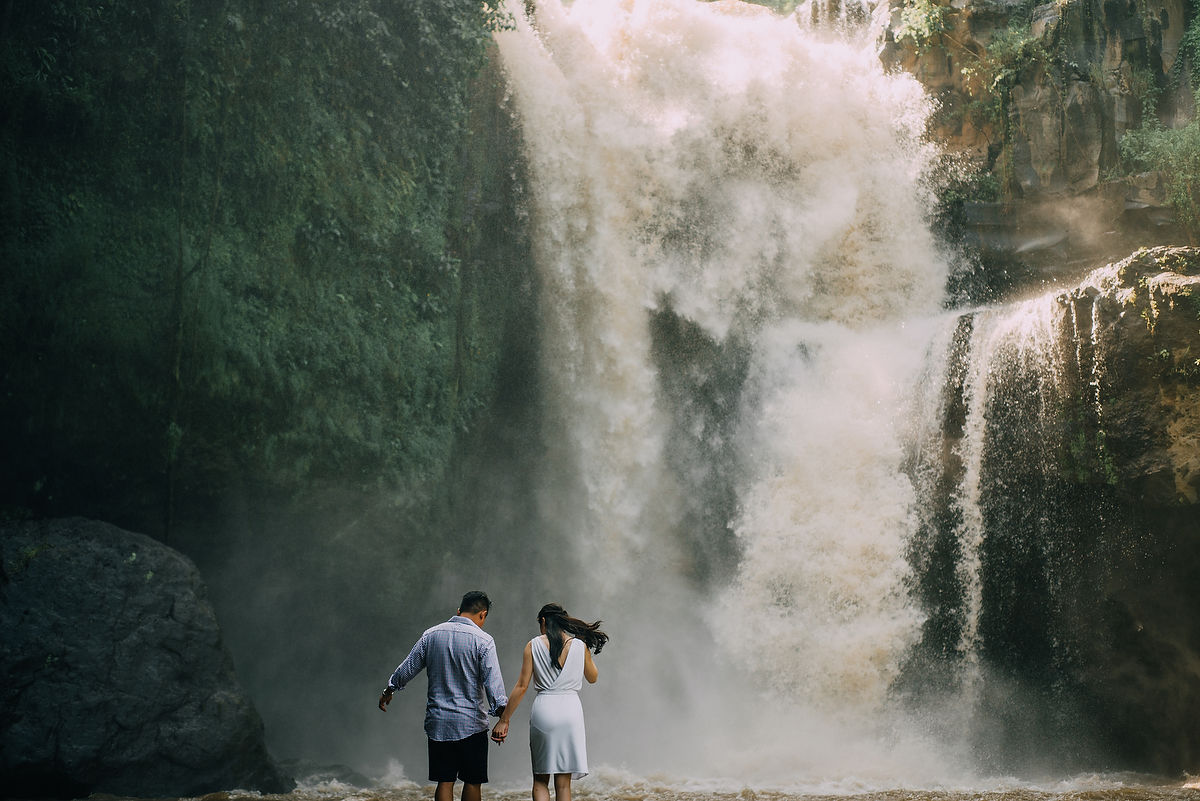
(116, 677)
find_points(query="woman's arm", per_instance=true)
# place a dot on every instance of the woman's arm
(589, 667)
(518, 692)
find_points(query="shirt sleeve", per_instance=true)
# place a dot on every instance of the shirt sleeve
(493, 682)
(410, 667)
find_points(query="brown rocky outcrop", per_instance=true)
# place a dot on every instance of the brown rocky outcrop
(1087, 441)
(1150, 370)
(1040, 97)
(1136, 635)
(1076, 87)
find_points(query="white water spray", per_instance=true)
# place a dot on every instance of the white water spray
(717, 161)
(1021, 338)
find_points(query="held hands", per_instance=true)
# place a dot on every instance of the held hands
(385, 699)
(500, 732)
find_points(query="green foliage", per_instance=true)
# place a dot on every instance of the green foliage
(921, 20)
(1088, 456)
(249, 236)
(962, 182)
(1180, 367)
(1174, 153)
(954, 181)
(27, 555)
(991, 77)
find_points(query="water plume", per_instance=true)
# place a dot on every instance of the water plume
(721, 165)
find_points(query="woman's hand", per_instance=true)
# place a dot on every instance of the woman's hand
(514, 698)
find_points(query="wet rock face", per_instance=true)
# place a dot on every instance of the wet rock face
(1076, 86)
(1040, 98)
(1151, 370)
(1088, 515)
(1102, 547)
(1138, 639)
(116, 678)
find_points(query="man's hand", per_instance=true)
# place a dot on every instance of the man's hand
(385, 699)
(500, 732)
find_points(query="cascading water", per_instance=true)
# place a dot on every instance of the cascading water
(1027, 336)
(721, 165)
(1023, 532)
(780, 466)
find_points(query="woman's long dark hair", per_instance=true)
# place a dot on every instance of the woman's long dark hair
(557, 621)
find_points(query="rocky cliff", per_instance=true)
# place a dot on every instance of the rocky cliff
(1039, 98)
(116, 677)
(1086, 438)
(1137, 636)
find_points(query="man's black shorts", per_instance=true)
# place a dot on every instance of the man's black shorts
(462, 760)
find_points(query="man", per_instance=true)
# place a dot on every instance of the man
(461, 662)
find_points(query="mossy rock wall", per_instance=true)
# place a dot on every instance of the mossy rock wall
(247, 241)
(1070, 126)
(1042, 94)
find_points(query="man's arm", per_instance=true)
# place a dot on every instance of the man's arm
(493, 682)
(410, 667)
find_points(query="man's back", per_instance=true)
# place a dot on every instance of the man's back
(460, 660)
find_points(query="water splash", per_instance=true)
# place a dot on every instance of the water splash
(1006, 344)
(718, 163)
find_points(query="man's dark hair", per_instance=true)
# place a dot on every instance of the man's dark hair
(475, 601)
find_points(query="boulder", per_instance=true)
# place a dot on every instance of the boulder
(1149, 310)
(116, 677)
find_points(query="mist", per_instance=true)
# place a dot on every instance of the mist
(713, 431)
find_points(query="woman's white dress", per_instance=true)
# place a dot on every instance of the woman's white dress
(556, 738)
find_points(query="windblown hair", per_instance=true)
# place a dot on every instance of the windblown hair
(558, 621)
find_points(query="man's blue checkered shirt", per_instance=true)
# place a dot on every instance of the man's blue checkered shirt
(460, 659)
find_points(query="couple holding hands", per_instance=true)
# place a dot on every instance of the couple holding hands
(460, 660)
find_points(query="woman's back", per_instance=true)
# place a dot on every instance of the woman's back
(557, 741)
(547, 677)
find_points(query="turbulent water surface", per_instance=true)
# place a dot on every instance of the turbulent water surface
(738, 294)
(625, 788)
(745, 345)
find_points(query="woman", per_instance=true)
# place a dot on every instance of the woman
(558, 661)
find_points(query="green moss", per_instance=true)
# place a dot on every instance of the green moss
(248, 239)
(1087, 457)
(27, 555)
(922, 20)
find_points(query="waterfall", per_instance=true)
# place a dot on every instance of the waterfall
(1018, 344)
(826, 518)
(1020, 525)
(720, 166)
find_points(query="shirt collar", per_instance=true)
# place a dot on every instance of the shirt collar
(459, 619)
